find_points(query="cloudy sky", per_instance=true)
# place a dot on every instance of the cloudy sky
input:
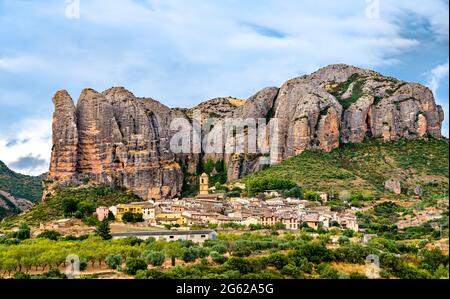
(184, 52)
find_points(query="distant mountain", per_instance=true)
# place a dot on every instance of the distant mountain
(18, 192)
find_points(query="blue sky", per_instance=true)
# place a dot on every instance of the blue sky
(184, 52)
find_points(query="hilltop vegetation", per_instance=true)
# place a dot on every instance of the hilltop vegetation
(364, 168)
(69, 201)
(19, 185)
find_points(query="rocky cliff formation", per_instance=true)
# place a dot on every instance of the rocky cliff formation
(342, 104)
(114, 138)
(10, 205)
(118, 139)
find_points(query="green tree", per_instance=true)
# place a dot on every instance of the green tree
(22, 233)
(111, 216)
(327, 272)
(293, 271)
(174, 251)
(217, 257)
(343, 240)
(50, 234)
(190, 254)
(128, 217)
(208, 167)
(295, 192)
(155, 258)
(86, 208)
(135, 264)
(113, 261)
(21, 275)
(69, 205)
(139, 217)
(278, 260)
(103, 230)
(237, 263)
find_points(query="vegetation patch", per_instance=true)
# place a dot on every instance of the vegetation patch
(362, 169)
(19, 185)
(78, 202)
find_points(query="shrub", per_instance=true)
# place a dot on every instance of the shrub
(113, 261)
(155, 258)
(129, 217)
(292, 271)
(217, 257)
(190, 254)
(103, 230)
(356, 275)
(348, 233)
(135, 264)
(327, 272)
(344, 240)
(21, 275)
(278, 260)
(258, 185)
(22, 233)
(83, 265)
(295, 192)
(220, 248)
(49, 234)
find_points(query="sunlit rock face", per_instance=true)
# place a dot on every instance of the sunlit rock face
(121, 140)
(116, 139)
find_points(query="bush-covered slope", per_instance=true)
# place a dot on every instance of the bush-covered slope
(86, 199)
(7, 208)
(365, 167)
(19, 185)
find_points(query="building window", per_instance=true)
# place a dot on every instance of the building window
(172, 237)
(203, 236)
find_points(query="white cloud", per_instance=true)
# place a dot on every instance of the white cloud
(436, 75)
(20, 64)
(28, 138)
(435, 12)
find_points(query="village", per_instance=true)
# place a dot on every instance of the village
(212, 210)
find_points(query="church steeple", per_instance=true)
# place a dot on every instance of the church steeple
(204, 184)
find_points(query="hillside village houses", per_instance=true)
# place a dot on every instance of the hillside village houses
(216, 209)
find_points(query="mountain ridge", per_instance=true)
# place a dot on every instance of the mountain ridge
(118, 139)
(18, 192)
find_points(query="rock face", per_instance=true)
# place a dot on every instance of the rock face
(19, 203)
(65, 138)
(115, 138)
(393, 186)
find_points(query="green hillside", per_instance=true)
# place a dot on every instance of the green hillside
(78, 202)
(19, 185)
(364, 168)
(10, 210)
